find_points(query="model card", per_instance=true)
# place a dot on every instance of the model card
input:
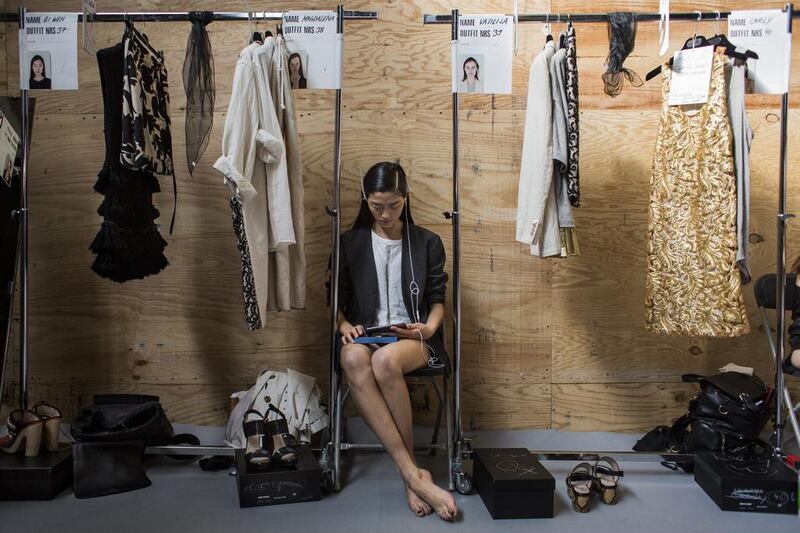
(48, 51)
(315, 49)
(483, 53)
(765, 32)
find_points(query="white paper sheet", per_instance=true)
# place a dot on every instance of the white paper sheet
(691, 76)
(482, 64)
(315, 49)
(766, 33)
(48, 51)
(9, 142)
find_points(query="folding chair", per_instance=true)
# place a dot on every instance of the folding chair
(427, 374)
(765, 291)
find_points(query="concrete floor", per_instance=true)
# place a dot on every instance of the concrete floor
(185, 499)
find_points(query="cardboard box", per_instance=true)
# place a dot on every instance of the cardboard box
(513, 484)
(768, 486)
(35, 478)
(300, 483)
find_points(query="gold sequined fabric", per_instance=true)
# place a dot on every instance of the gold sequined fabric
(693, 286)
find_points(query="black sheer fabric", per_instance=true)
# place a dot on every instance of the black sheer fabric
(621, 40)
(198, 81)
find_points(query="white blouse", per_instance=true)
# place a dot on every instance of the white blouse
(388, 254)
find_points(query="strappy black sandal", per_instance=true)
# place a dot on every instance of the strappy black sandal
(258, 453)
(606, 476)
(284, 444)
(579, 487)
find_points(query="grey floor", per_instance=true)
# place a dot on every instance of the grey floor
(185, 499)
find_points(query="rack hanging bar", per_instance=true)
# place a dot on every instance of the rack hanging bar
(180, 16)
(595, 17)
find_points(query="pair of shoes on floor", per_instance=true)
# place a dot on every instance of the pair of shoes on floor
(602, 478)
(30, 429)
(268, 442)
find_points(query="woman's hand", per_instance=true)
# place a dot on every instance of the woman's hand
(413, 331)
(350, 332)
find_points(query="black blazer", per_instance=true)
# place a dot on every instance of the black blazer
(358, 279)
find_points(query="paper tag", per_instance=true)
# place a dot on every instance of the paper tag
(485, 53)
(315, 53)
(89, 8)
(663, 27)
(9, 142)
(766, 33)
(691, 76)
(48, 51)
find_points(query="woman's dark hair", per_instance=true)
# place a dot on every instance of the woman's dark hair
(383, 177)
(35, 58)
(300, 59)
(464, 68)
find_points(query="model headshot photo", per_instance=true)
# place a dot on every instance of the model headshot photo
(297, 65)
(38, 77)
(469, 80)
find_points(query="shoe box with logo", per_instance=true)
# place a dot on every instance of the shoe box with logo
(279, 484)
(763, 486)
(512, 483)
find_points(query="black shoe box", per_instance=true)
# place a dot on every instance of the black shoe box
(35, 478)
(279, 484)
(512, 483)
(767, 486)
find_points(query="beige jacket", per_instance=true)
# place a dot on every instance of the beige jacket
(287, 267)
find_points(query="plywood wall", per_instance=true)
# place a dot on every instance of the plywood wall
(547, 343)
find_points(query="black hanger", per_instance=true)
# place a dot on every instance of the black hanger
(279, 29)
(268, 34)
(736, 52)
(256, 37)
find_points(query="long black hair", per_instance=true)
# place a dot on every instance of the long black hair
(383, 177)
(464, 68)
(37, 57)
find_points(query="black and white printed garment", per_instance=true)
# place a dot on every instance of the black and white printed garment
(146, 137)
(573, 183)
(251, 312)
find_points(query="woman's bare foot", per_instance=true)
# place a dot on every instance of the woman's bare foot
(417, 504)
(440, 500)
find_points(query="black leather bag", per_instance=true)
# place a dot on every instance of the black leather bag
(727, 414)
(110, 437)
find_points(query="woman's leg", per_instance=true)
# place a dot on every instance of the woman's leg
(389, 363)
(355, 360)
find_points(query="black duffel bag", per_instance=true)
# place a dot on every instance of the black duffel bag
(110, 438)
(727, 415)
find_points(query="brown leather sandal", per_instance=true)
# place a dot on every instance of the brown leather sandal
(606, 477)
(579, 487)
(24, 433)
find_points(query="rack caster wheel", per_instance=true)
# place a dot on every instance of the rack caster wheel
(327, 483)
(464, 484)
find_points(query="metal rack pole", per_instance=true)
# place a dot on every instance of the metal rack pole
(183, 16)
(780, 286)
(23, 256)
(595, 17)
(335, 213)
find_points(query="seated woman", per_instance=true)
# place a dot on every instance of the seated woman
(392, 272)
(791, 364)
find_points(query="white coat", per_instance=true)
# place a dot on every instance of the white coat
(537, 218)
(295, 394)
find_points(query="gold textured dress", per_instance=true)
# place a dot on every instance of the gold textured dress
(693, 286)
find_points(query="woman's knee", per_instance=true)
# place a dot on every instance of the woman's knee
(354, 359)
(385, 365)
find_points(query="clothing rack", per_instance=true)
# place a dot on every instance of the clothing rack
(462, 448)
(156, 16)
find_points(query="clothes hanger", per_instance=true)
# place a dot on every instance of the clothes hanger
(717, 41)
(549, 30)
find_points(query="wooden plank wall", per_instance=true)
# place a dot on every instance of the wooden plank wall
(547, 343)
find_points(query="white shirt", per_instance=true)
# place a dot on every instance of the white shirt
(388, 254)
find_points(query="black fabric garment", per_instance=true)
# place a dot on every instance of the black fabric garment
(128, 245)
(42, 84)
(621, 40)
(198, 82)
(358, 280)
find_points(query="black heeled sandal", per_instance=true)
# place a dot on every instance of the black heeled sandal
(284, 444)
(258, 453)
(606, 478)
(788, 367)
(579, 487)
